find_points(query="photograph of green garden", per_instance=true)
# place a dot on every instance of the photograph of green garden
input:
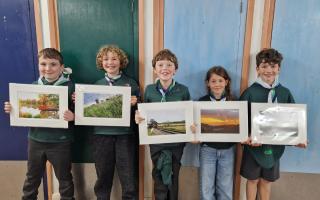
(102, 105)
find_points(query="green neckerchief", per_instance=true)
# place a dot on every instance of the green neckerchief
(64, 77)
(163, 91)
(113, 79)
(164, 165)
(272, 97)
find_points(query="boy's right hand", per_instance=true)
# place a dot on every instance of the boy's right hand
(138, 117)
(248, 141)
(7, 107)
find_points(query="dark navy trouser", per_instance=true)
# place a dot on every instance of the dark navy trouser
(59, 155)
(118, 151)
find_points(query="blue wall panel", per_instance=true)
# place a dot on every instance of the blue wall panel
(296, 34)
(17, 64)
(203, 34)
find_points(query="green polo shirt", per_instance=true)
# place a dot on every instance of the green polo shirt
(53, 135)
(265, 155)
(116, 130)
(178, 93)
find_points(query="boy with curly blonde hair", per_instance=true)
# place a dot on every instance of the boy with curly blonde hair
(115, 146)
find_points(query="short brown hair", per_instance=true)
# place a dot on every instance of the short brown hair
(51, 53)
(114, 49)
(269, 56)
(165, 54)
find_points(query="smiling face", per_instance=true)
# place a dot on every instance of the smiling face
(268, 72)
(165, 70)
(111, 64)
(50, 68)
(217, 85)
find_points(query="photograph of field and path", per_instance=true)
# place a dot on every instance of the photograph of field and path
(166, 122)
(35, 105)
(220, 121)
(102, 105)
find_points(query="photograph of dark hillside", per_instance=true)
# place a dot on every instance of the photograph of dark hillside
(166, 122)
(220, 121)
(102, 105)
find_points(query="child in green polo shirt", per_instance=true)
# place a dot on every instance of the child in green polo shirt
(116, 146)
(165, 65)
(52, 144)
(260, 163)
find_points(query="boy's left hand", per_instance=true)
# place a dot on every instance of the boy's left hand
(68, 116)
(134, 100)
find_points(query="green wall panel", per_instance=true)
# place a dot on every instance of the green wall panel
(84, 26)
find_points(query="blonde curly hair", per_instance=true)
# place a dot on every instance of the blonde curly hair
(114, 49)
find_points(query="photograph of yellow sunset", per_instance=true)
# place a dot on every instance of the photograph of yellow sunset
(220, 121)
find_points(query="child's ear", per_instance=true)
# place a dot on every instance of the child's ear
(62, 68)
(207, 83)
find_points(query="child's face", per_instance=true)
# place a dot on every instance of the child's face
(111, 63)
(50, 68)
(165, 70)
(217, 85)
(268, 72)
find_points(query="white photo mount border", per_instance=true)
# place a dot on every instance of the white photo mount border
(15, 120)
(144, 108)
(296, 120)
(240, 136)
(80, 119)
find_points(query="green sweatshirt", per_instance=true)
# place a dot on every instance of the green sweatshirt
(116, 130)
(178, 93)
(265, 155)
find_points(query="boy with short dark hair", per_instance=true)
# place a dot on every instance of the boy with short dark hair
(165, 89)
(50, 144)
(260, 163)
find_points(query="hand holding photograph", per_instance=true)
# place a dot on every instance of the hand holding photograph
(100, 105)
(280, 124)
(38, 105)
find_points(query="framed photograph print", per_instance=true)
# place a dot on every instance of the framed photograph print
(221, 121)
(166, 122)
(279, 124)
(38, 105)
(100, 105)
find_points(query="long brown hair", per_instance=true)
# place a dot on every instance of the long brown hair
(220, 71)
